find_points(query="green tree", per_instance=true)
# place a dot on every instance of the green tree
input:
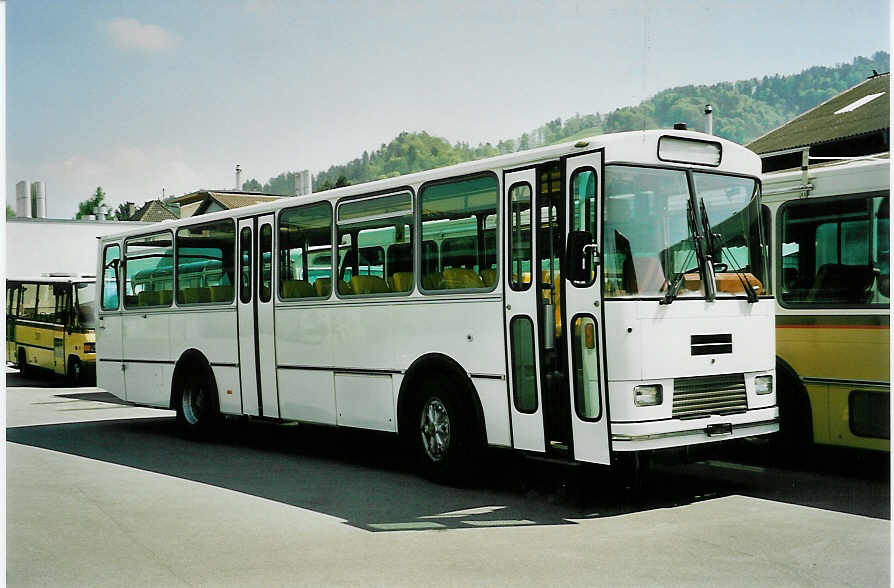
(92, 204)
(122, 213)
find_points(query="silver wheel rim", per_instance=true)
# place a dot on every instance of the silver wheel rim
(193, 404)
(434, 426)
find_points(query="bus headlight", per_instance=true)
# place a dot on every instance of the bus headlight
(89, 347)
(647, 395)
(763, 384)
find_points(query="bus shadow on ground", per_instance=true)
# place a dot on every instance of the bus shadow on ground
(367, 480)
(15, 379)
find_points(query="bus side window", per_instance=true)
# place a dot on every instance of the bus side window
(111, 277)
(368, 227)
(883, 244)
(62, 304)
(46, 303)
(305, 251)
(149, 263)
(28, 301)
(205, 263)
(459, 214)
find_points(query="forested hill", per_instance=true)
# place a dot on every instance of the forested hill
(743, 110)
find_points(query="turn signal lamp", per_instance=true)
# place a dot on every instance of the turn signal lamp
(89, 347)
(647, 395)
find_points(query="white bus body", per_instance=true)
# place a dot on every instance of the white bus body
(550, 367)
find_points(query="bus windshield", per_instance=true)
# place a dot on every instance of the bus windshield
(85, 298)
(732, 205)
(648, 238)
(650, 228)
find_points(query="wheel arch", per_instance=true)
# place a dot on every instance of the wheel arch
(791, 394)
(438, 363)
(190, 360)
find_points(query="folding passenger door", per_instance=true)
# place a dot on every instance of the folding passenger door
(109, 326)
(521, 299)
(584, 315)
(257, 354)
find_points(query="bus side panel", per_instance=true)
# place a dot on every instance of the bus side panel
(213, 333)
(303, 345)
(147, 357)
(392, 335)
(837, 352)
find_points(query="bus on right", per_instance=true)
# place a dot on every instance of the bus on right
(826, 188)
(830, 248)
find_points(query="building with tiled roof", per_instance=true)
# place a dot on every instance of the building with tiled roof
(204, 201)
(154, 211)
(851, 124)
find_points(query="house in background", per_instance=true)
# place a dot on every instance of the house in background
(154, 211)
(855, 123)
(205, 201)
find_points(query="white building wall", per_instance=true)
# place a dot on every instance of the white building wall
(36, 246)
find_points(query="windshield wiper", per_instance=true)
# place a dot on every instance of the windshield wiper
(676, 282)
(740, 273)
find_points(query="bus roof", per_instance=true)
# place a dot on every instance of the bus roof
(629, 147)
(85, 279)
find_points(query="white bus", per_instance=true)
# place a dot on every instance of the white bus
(831, 247)
(586, 301)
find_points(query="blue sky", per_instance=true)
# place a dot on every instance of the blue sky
(141, 96)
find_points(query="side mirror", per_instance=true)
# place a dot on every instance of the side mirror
(579, 256)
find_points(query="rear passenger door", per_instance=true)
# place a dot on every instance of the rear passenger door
(109, 352)
(257, 352)
(521, 313)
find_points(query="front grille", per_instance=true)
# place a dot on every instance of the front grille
(706, 395)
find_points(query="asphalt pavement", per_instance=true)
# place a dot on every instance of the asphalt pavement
(100, 493)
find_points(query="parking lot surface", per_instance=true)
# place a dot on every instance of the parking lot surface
(104, 494)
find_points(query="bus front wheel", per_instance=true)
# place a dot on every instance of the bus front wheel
(75, 374)
(24, 368)
(196, 405)
(444, 435)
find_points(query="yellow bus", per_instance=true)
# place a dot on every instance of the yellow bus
(50, 325)
(832, 270)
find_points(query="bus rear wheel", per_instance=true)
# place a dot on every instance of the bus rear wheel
(196, 406)
(444, 435)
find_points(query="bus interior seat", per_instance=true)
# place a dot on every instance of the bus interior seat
(297, 289)
(837, 281)
(458, 277)
(148, 298)
(221, 293)
(731, 283)
(131, 300)
(489, 277)
(323, 287)
(344, 287)
(193, 295)
(165, 296)
(432, 281)
(402, 282)
(368, 285)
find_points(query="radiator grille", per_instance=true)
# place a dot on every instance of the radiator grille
(706, 395)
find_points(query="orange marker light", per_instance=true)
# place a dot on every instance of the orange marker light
(230, 392)
(590, 336)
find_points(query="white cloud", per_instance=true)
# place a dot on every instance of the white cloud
(129, 33)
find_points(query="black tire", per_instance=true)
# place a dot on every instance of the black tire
(445, 435)
(794, 441)
(195, 400)
(75, 372)
(24, 369)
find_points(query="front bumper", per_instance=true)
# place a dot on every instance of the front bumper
(680, 432)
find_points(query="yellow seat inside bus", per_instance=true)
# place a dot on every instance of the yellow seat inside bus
(193, 295)
(457, 277)
(489, 277)
(298, 289)
(323, 287)
(221, 293)
(432, 281)
(368, 285)
(732, 284)
(401, 282)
